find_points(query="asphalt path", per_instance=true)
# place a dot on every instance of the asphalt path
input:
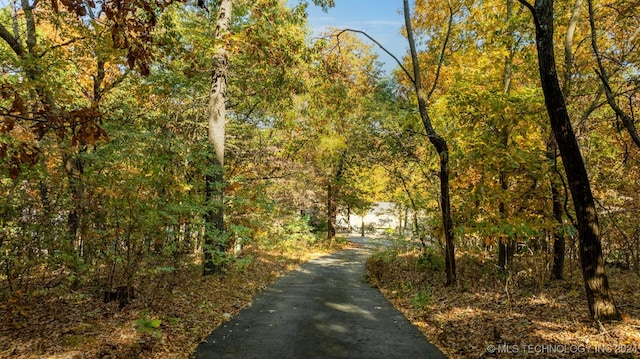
(323, 310)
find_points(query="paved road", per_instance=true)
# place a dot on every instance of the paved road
(322, 310)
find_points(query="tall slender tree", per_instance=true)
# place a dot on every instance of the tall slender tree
(214, 217)
(439, 143)
(600, 301)
(627, 119)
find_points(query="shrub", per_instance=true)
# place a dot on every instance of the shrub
(422, 298)
(431, 261)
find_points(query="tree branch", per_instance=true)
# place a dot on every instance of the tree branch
(627, 120)
(529, 6)
(381, 47)
(31, 24)
(444, 48)
(15, 45)
(63, 44)
(566, 194)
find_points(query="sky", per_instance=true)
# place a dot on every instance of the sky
(381, 19)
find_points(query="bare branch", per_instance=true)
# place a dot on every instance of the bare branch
(442, 52)
(627, 120)
(63, 44)
(15, 45)
(338, 33)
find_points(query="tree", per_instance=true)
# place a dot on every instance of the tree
(600, 301)
(337, 114)
(625, 51)
(214, 217)
(437, 141)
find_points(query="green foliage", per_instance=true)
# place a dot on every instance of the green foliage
(149, 326)
(422, 299)
(242, 264)
(102, 169)
(431, 261)
(294, 232)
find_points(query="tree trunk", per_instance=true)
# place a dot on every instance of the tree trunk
(75, 170)
(214, 242)
(568, 46)
(414, 208)
(558, 237)
(443, 153)
(559, 241)
(332, 212)
(333, 189)
(364, 213)
(599, 298)
(506, 246)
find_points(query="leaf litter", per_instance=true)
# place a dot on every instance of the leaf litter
(489, 314)
(167, 319)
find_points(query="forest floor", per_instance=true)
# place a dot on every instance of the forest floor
(485, 315)
(522, 314)
(170, 315)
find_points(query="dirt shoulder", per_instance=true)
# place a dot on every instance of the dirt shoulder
(168, 318)
(523, 314)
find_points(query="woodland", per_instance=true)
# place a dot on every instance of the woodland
(161, 161)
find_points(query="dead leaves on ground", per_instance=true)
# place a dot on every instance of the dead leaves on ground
(521, 314)
(60, 323)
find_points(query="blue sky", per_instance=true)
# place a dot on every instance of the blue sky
(381, 19)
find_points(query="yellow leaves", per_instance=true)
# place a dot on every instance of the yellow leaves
(331, 144)
(17, 132)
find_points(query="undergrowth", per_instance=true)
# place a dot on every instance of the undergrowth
(521, 308)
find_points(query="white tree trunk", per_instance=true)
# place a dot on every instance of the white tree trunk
(215, 245)
(218, 94)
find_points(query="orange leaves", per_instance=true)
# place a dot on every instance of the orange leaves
(89, 134)
(19, 149)
(133, 21)
(24, 154)
(74, 6)
(7, 125)
(17, 105)
(463, 322)
(19, 143)
(22, 131)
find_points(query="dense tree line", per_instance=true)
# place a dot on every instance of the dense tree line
(146, 136)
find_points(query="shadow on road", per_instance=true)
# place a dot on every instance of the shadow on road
(323, 310)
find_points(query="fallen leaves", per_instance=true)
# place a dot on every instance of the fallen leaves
(161, 322)
(482, 316)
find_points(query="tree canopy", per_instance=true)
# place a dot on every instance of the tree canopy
(111, 171)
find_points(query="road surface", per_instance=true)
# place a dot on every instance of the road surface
(323, 310)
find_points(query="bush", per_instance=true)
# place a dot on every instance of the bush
(379, 266)
(293, 232)
(422, 298)
(431, 261)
